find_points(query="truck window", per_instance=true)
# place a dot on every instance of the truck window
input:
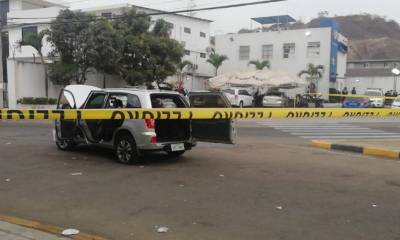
(122, 100)
(96, 101)
(207, 101)
(160, 100)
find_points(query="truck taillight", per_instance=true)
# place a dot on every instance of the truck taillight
(153, 140)
(149, 123)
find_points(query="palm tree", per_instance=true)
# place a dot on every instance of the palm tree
(216, 60)
(314, 72)
(181, 73)
(36, 41)
(261, 65)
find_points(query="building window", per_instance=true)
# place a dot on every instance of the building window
(314, 49)
(187, 52)
(4, 9)
(289, 50)
(203, 35)
(267, 52)
(366, 65)
(187, 30)
(183, 43)
(106, 15)
(202, 55)
(244, 52)
(26, 31)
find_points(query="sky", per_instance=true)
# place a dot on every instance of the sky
(232, 20)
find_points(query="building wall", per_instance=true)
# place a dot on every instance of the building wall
(363, 83)
(27, 79)
(229, 45)
(15, 34)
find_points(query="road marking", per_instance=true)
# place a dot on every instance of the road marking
(344, 133)
(332, 131)
(351, 137)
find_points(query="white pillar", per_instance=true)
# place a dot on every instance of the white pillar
(12, 79)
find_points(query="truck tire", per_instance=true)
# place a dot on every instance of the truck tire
(126, 149)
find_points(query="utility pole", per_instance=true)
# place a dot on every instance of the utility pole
(2, 84)
(192, 5)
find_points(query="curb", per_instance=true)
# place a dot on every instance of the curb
(46, 228)
(369, 151)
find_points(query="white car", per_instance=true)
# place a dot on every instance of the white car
(396, 103)
(239, 97)
(376, 98)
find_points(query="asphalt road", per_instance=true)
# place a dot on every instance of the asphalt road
(270, 185)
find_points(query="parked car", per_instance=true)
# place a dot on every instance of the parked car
(396, 103)
(376, 97)
(276, 99)
(353, 102)
(131, 138)
(239, 97)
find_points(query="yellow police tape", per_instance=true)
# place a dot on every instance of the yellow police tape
(352, 96)
(195, 113)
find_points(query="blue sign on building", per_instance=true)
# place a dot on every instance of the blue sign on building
(336, 46)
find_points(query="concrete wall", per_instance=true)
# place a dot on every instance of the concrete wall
(229, 45)
(28, 80)
(362, 83)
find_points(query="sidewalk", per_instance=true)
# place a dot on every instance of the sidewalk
(384, 148)
(10, 231)
(12, 228)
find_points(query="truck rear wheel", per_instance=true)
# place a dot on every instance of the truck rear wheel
(126, 150)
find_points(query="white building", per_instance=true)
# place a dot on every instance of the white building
(25, 76)
(363, 74)
(290, 51)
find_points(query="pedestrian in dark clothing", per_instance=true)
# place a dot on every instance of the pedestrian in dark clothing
(345, 91)
(353, 91)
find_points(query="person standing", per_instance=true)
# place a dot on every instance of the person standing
(345, 91)
(353, 91)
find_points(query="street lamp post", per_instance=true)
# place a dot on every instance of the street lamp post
(396, 73)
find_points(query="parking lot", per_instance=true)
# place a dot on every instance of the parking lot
(270, 185)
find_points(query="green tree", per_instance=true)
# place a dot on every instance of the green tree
(146, 56)
(105, 53)
(182, 66)
(260, 65)
(71, 38)
(216, 60)
(314, 73)
(36, 42)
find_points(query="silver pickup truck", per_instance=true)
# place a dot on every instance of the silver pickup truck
(131, 138)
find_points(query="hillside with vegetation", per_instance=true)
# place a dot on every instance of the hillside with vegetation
(370, 36)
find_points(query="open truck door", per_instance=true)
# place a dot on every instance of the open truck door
(214, 131)
(71, 97)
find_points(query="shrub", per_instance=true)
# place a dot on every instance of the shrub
(37, 101)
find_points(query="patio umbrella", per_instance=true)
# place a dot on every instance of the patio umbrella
(258, 78)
